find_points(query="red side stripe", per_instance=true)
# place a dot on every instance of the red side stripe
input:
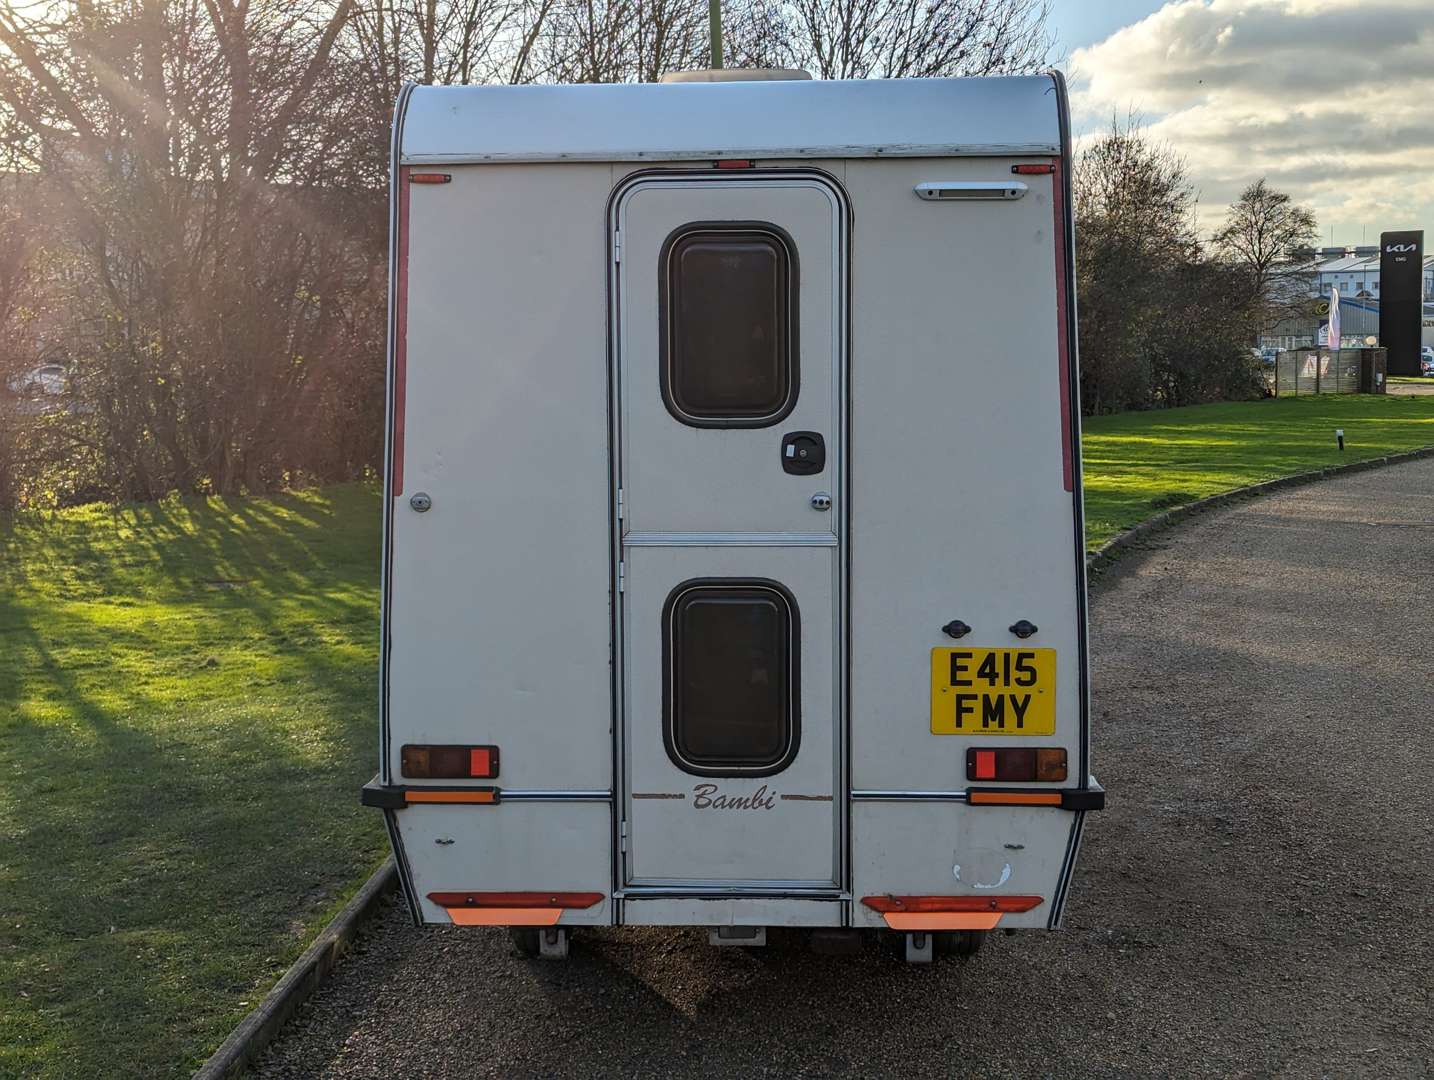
(400, 333)
(1063, 342)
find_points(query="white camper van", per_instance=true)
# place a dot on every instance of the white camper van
(733, 561)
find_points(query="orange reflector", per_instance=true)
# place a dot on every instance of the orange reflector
(430, 178)
(1013, 798)
(943, 920)
(504, 916)
(912, 905)
(1051, 764)
(1033, 170)
(465, 795)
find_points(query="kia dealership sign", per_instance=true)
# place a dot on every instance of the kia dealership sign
(1401, 288)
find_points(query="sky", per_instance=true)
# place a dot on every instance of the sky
(1331, 100)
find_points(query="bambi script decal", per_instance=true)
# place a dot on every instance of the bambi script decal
(707, 797)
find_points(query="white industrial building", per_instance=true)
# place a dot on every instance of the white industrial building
(1355, 271)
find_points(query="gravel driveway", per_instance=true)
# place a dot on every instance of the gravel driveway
(1256, 901)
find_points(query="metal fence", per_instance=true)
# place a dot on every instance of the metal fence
(1329, 371)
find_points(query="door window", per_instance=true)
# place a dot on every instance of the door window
(731, 657)
(728, 307)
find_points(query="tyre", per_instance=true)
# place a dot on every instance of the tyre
(525, 940)
(960, 943)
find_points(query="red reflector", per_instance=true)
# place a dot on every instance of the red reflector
(985, 765)
(1032, 170)
(515, 899)
(735, 163)
(887, 904)
(448, 762)
(430, 178)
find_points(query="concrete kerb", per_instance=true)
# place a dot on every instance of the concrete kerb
(1138, 536)
(247, 1041)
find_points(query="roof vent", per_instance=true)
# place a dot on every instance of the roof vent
(736, 75)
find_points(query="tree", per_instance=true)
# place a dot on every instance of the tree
(1159, 325)
(215, 173)
(859, 39)
(1269, 235)
(212, 167)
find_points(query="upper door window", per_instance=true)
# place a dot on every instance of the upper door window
(728, 310)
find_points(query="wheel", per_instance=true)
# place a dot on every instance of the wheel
(961, 943)
(525, 940)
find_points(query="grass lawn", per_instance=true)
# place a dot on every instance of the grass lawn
(187, 696)
(1137, 464)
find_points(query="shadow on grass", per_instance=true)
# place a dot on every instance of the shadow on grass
(183, 762)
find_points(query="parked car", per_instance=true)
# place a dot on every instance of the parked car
(1426, 360)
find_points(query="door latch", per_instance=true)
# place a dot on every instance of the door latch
(804, 453)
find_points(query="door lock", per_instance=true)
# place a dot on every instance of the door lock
(821, 501)
(804, 453)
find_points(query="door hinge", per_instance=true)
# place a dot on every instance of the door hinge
(621, 576)
(622, 836)
(619, 505)
(617, 245)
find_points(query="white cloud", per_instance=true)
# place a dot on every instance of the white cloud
(1332, 100)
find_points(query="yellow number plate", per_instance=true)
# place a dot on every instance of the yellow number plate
(993, 691)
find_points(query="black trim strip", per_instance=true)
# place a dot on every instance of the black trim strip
(400, 113)
(405, 876)
(1073, 367)
(1067, 872)
(1077, 491)
(395, 838)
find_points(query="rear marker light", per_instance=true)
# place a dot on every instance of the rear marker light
(734, 163)
(1032, 170)
(430, 178)
(449, 762)
(515, 899)
(1016, 763)
(928, 904)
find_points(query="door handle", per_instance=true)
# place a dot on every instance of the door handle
(804, 453)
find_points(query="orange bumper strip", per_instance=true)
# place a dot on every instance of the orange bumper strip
(469, 795)
(1013, 798)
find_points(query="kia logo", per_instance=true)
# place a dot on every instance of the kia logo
(1401, 247)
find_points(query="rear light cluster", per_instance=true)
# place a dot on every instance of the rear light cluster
(1047, 763)
(449, 762)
